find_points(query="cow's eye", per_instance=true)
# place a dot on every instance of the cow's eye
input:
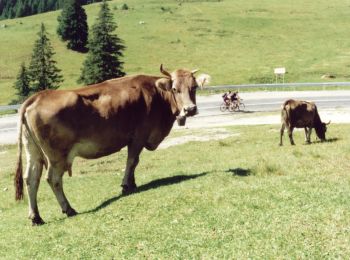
(174, 89)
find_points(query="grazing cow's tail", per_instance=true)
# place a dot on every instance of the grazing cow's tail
(19, 167)
(285, 113)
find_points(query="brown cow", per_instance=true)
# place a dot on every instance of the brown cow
(301, 114)
(95, 121)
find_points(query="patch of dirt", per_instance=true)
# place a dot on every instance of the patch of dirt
(202, 136)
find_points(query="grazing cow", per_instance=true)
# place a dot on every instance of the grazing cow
(135, 111)
(301, 114)
(203, 79)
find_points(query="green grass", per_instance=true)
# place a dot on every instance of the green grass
(8, 112)
(234, 41)
(240, 197)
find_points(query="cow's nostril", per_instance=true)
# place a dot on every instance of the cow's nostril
(191, 108)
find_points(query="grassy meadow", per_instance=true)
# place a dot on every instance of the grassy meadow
(240, 197)
(234, 41)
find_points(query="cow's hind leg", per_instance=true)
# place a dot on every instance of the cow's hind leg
(281, 134)
(54, 178)
(128, 183)
(32, 177)
(290, 134)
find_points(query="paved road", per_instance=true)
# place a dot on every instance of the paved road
(333, 105)
(264, 107)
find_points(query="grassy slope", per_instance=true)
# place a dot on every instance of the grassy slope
(235, 41)
(240, 197)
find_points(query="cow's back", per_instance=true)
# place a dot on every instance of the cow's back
(296, 113)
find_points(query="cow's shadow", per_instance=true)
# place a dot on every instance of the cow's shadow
(330, 140)
(148, 186)
(240, 172)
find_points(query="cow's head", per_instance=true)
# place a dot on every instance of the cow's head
(321, 130)
(183, 85)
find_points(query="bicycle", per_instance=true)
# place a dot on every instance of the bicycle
(226, 105)
(236, 105)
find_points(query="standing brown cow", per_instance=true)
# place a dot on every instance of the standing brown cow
(301, 114)
(57, 125)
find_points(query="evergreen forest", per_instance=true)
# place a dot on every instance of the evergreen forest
(21, 8)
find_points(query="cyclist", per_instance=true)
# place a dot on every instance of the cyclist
(234, 96)
(227, 97)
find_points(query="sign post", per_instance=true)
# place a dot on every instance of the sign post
(280, 72)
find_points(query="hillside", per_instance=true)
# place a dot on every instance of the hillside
(234, 41)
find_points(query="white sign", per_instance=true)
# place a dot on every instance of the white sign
(280, 71)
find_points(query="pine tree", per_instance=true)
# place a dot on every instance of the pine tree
(22, 84)
(105, 49)
(42, 69)
(72, 25)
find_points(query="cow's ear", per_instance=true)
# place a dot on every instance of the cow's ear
(164, 84)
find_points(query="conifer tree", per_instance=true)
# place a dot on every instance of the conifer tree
(105, 50)
(42, 69)
(72, 25)
(22, 84)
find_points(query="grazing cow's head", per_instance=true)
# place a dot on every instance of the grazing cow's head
(183, 85)
(321, 130)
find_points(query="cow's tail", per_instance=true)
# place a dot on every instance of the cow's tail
(19, 166)
(285, 117)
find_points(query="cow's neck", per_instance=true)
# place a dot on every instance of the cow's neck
(170, 101)
(317, 120)
(317, 124)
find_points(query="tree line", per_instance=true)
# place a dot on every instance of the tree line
(20, 8)
(103, 60)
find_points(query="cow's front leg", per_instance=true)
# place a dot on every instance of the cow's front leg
(128, 183)
(308, 134)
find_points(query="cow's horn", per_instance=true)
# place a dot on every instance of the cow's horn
(194, 71)
(164, 71)
(328, 122)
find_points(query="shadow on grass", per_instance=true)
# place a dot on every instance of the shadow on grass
(148, 186)
(330, 140)
(240, 172)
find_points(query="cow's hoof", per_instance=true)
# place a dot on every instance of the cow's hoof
(128, 189)
(71, 212)
(37, 221)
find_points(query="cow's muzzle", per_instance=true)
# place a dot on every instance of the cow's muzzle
(191, 110)
(185, 112)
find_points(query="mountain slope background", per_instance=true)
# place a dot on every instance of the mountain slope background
(234, 41)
